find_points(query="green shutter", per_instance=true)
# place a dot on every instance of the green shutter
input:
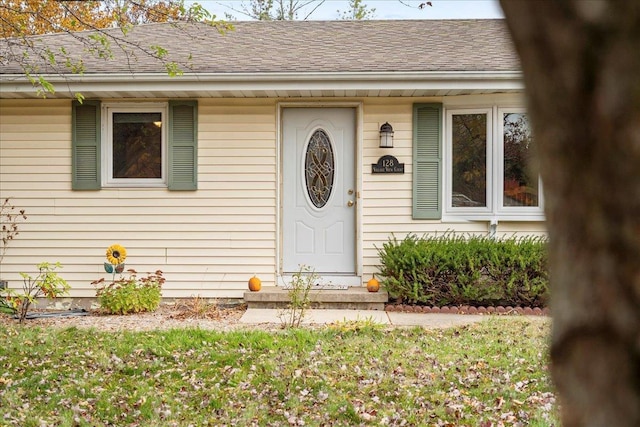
(85, 163)
(427, 161)
(183, 145)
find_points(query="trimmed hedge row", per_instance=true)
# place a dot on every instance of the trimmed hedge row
(458, 270)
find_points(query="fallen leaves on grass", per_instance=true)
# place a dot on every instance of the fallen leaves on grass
(490, 374)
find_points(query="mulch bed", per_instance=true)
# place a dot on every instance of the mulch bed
(523, 311)
(194, 313)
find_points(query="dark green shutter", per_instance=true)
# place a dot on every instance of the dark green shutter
(427, 161)
(183, 145)
(85, 163)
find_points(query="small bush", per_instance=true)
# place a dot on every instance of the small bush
(131, 295)
(9, 230)
(455, 270)
(299, 300)
(45, 284)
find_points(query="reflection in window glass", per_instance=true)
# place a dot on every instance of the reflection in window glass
(520, 173)
(137, 145)
(469, 141)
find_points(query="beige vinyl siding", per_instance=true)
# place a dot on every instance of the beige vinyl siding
(210, 241)
(207, 242)
(387, 198)
(512, 228)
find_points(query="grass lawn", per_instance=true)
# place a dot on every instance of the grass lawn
(353, 373)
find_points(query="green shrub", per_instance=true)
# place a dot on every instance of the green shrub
(45, 284)
(458, 270)
(131, 295)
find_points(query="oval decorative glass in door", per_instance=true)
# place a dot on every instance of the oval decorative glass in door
(319, 168)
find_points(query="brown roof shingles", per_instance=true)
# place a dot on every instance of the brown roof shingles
(309, 46)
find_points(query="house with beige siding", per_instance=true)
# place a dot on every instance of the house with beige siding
(266, 153)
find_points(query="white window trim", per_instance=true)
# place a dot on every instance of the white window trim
(107, 147)
(495, 171)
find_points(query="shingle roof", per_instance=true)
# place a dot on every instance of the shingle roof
(309, 47)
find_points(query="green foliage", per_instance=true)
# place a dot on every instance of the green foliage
(357, 11)
(101, 46)
(456, 270)
(46, 284)
(173, 69)
(299, 302)
(197, 13)
(131, 295)
(159, 51)
(5, 306)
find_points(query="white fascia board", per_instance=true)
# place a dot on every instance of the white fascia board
(97, 83)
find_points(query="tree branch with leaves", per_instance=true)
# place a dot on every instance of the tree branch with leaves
(98, 27)
(275, 10)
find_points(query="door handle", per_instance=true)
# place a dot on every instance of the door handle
(350, 203)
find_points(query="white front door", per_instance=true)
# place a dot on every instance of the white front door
(319, 191)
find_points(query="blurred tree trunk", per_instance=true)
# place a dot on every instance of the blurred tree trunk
(581, 64)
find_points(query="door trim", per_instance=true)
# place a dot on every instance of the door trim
(358, 106)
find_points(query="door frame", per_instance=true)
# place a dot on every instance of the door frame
(358, 125)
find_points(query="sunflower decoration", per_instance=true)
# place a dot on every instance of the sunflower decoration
(116, 255)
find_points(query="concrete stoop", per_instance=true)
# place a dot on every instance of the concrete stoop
(353, 298)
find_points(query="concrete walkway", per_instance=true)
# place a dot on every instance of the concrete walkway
(325, 316)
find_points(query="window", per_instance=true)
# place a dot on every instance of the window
(521, 185)
(135, 152)
(140, 144)
(474, 164)
(319, 168)
(469, 142)
(489, 167)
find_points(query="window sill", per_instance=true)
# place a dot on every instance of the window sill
(466, 218)
(132, 185)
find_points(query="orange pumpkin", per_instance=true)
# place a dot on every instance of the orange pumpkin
(255, 284)
(373, 285)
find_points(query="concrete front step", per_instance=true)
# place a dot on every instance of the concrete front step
(353, 298)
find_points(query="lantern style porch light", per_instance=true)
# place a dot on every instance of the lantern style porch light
(386, 136)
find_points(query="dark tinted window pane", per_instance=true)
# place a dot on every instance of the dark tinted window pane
(137, 145)
(469, 139)
(520, 171)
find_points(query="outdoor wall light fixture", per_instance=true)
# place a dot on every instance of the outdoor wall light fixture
(386, 136)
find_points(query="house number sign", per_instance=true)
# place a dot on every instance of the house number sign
(387, 164)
